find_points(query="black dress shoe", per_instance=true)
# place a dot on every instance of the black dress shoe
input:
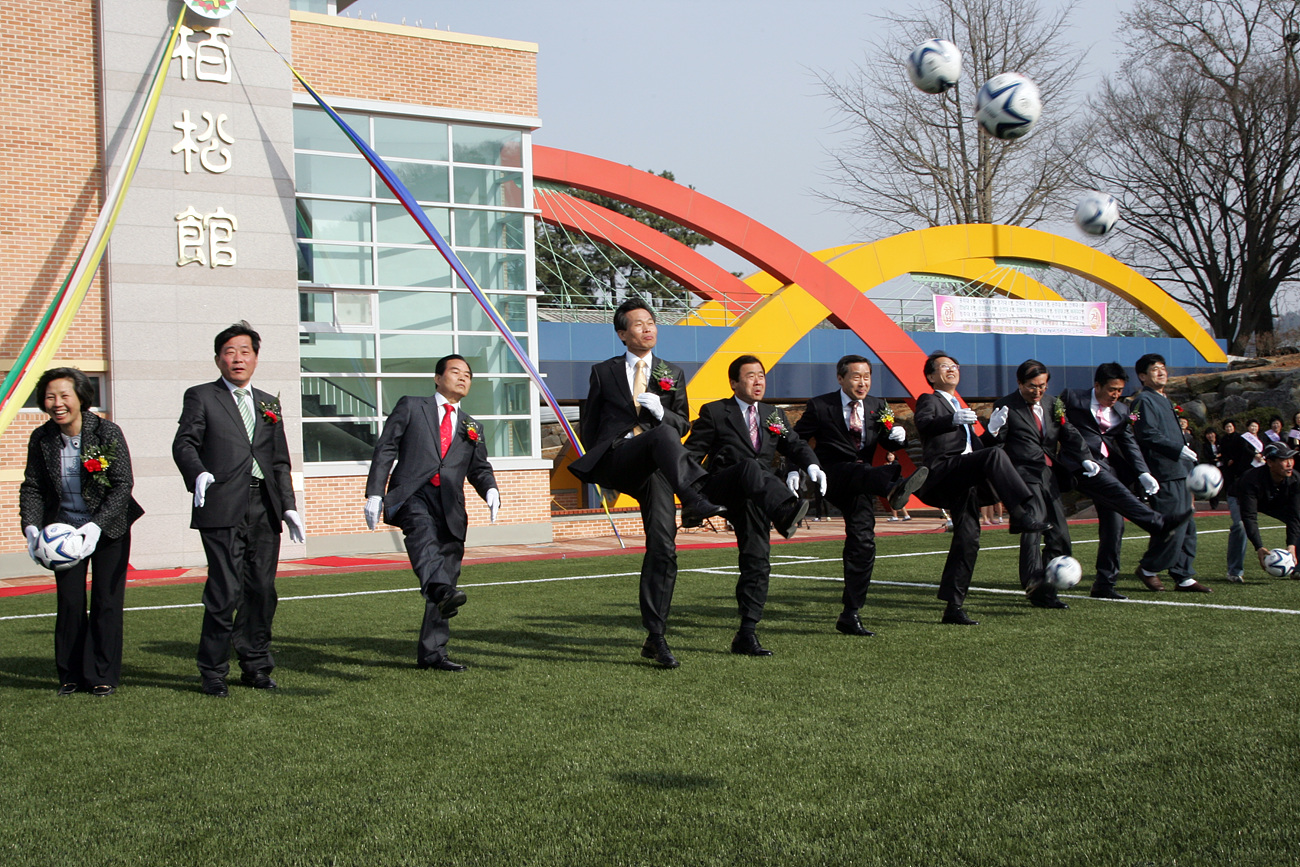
(1018, 527)
(955, 614)
(788, 518)
(258, 680)
(216, 687)
(1047, 602)
(656, 648)
(442, 663)
(1106, 593)
(102, 689)
(449, 603)
(746, 644)
(67, 689)
(851, 624)
(902, 492)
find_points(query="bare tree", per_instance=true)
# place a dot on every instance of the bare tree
(916, 160)
(1203, 149)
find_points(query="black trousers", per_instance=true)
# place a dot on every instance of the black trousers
(1114, 502)
(630, 462)
(752, 496)
(853, 488)
(239, 597)
(436, 556)
(1178, 553)
(88, 647)
(659, 565)
(1037, 549)
(954, 584)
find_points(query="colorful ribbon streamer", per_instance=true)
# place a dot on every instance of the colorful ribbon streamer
(53, 327)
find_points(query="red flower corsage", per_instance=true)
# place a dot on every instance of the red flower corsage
(96, 461)
(472, 433)
(663, 375)
(774, 424)
(271, 411)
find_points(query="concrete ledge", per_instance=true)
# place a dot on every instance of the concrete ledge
(391, 542)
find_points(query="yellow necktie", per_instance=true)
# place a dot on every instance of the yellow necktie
(638, 389)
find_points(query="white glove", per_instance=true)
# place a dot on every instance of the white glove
(652, 403)
(897, 434)
(998, 419)
(1091, 468)
(33, 535)
(493, 500)
(1149, 483)
(792, 481)
(296, 531)
(201, 488)
(372, 511)
(1189, 455)
(965, 415)
(816, 475)
(90, 532)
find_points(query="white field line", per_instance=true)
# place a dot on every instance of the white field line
(791, 560)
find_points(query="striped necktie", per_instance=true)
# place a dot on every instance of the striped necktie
(245, 403)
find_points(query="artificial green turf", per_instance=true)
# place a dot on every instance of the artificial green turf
(1106, 734)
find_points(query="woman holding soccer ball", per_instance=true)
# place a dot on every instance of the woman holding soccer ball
(79, 474)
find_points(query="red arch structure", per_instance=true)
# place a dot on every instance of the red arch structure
(767, 249)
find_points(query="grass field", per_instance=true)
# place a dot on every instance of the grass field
(1109, 734)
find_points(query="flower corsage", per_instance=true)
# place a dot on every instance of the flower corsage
(1058, 410)
(663, 375)
(884, 416)
(473, 432)
(271, 410)
(774, 424)
(96, 460)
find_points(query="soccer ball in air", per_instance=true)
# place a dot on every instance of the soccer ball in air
(1063, 572)
(1096, 213)
(934, 65)
(59, 546)
(1205, 481)
(1279, 563)
(1008, 106)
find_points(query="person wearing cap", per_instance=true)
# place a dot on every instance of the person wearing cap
(1274, 490)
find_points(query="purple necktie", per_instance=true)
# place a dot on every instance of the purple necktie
(753, 425)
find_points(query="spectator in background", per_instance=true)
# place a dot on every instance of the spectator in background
(1293, 435)
(1209, 453)
(1252, 437)
(1274, 432)
(1235, 455)
(1185, 426)
(890, 458)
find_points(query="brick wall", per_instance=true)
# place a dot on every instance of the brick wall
(392, 63)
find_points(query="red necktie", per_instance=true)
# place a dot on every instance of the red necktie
(444, 436)
(1038, 407)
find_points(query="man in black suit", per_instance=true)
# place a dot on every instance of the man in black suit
(737, 439)
(437, 447)
(1035, 440)
(1156, 429)
(632, 424)
(1103, 421)
(231, 449)
(961, 474)
(1274, 490)
(845, 427)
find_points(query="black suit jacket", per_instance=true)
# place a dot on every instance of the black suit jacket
(1026, 445)
(720, 438)
(211, 438)
(823, 423)
(940, 437)
(610, 414)
(1158, 435)
(111, 505)
(1125, 456)
(411, 438)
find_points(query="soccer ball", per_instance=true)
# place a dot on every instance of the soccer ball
(1279, 563)
(1063, 572)
(934, 65)
(59, 547)
(1008, 106)
(1205, 481)
(1096, 213)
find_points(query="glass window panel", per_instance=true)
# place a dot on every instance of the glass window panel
(508, 438)
(487, 146)
(407, 137)
(426, 183)
(337, 353)
(333, 221)
(513, 309)
(313, 130)
(489, 229)
(413, 267)
(338, 440)
(495, 270)
(413, 353)
(332, 176)
(493, 395)
(395, 226)
(395, 388)
(502, 189)
(325, 397)
(415, 311)
(490, 354)
(352, 308)
(316, 307)
(326, 263)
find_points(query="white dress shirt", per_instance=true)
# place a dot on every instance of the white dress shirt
(956, 405)
(845, 406)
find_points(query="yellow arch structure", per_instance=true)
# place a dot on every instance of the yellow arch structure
(967, 252)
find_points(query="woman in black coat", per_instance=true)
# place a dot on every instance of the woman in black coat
(79, 473)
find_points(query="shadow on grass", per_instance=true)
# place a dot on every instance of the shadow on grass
(665, 780)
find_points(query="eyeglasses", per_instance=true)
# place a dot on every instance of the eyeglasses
(948, 368)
